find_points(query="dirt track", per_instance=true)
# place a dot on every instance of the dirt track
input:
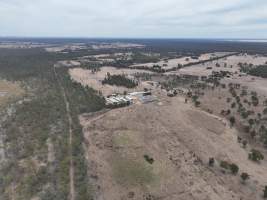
(70, 124)
(180, 139)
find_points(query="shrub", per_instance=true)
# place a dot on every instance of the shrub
(234, 168)
(255, 100)
(244, 176)
(265, 192)
(255, 155)
(232, 120)
(233, 105)
(211, 162)
(197, 103)
(148, 159)
(224, 164)
(244, 143)
(251, 122)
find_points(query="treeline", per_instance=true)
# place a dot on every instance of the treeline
(119, 80)
(260, 71)
(82, 100)
(138, 57)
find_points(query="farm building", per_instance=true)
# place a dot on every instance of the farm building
(118, 101)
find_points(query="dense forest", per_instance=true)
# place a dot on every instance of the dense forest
(260, 71)
(119, 80)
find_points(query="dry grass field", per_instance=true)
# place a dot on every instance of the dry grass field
(179, 139)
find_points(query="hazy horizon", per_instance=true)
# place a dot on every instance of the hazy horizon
(223, 19)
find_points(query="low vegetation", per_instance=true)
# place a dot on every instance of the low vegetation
(255, 155)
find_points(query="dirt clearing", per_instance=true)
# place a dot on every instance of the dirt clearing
(9, 91)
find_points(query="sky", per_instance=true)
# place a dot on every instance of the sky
(134, 18)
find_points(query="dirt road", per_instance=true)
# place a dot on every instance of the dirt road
(71, 170)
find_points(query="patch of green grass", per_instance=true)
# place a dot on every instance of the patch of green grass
(132, 172)
(122, 140)
(127, 138)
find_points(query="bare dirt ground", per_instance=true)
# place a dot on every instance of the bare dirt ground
(180, 139)
(86, 77)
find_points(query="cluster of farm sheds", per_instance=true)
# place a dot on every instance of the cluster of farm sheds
(119, 100)
(143, 97)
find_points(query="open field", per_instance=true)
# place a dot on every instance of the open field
(171, 63)
(180, 139)
(228, 64)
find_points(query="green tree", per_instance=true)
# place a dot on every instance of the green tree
(232, 120)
